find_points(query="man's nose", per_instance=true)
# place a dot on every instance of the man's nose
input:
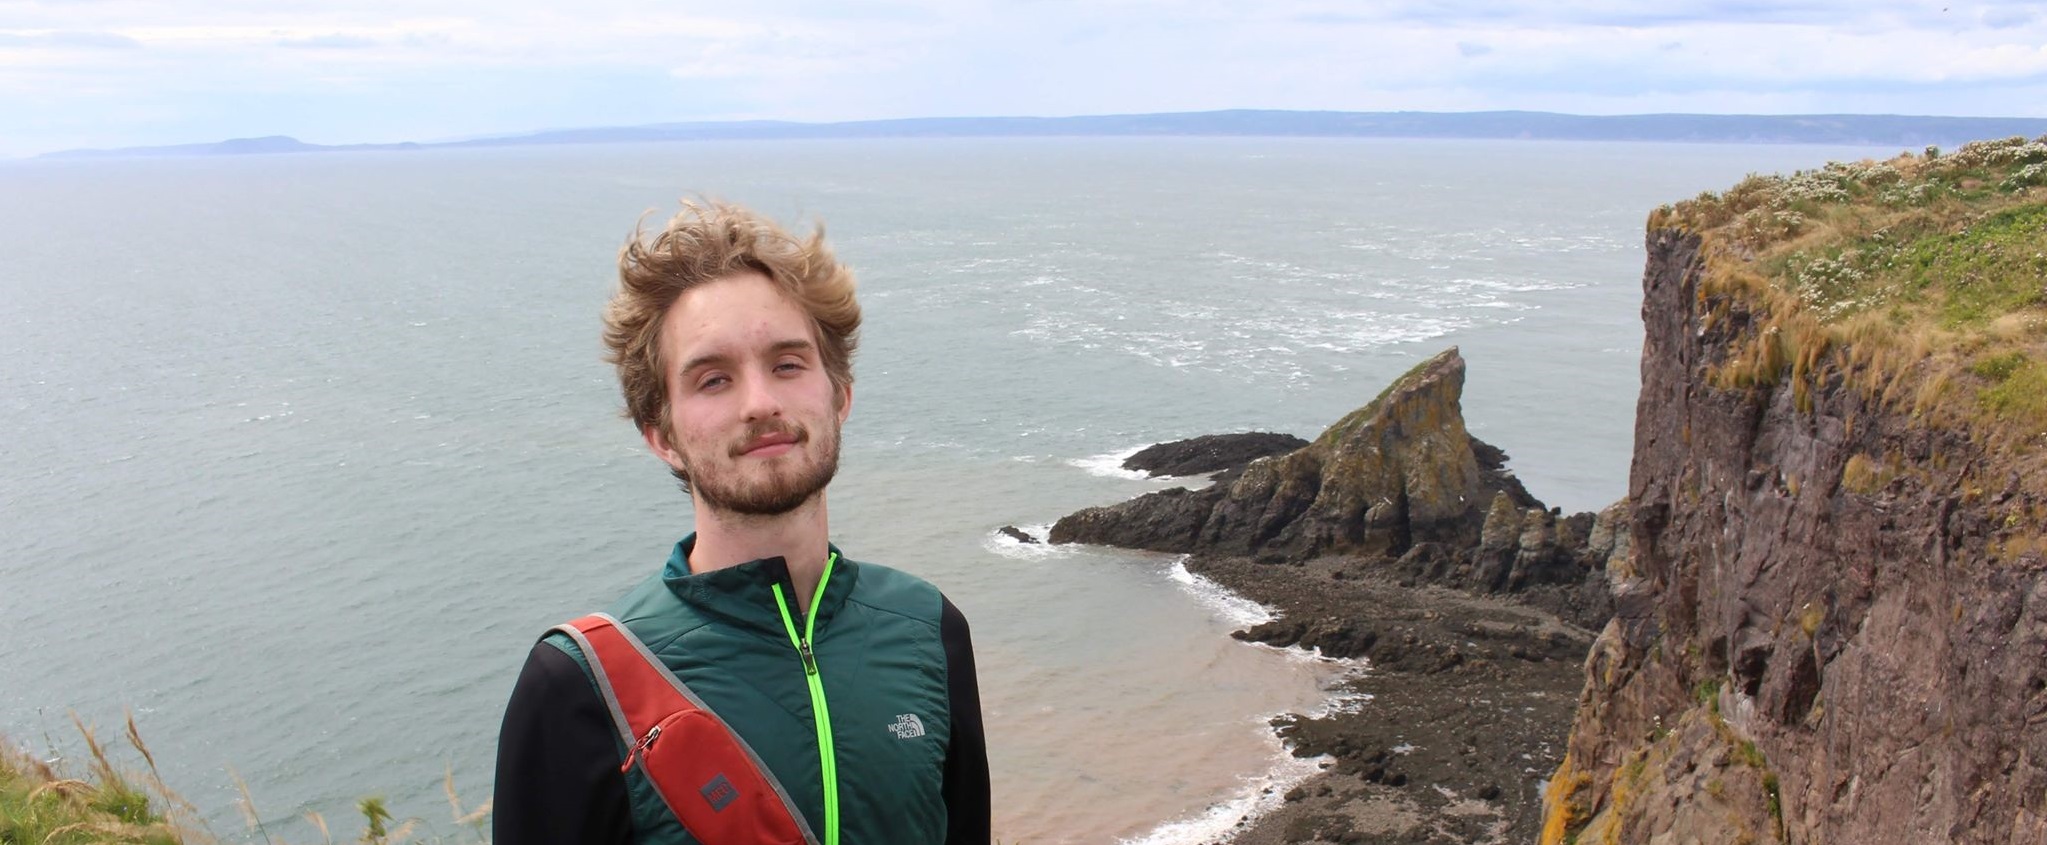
(760, 400)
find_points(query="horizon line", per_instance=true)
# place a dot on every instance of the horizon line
(984, 126)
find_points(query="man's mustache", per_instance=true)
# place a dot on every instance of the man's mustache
(798, 434)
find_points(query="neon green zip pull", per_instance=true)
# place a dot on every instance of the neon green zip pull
(820, 711)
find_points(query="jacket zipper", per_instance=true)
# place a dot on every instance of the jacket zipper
(819, 710)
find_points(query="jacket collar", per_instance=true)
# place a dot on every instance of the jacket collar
(744, 594)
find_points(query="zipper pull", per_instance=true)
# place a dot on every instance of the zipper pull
(645, 743)
(809, 660)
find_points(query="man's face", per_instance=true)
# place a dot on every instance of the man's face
(751, 411)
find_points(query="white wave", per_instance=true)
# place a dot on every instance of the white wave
(1111, 465)
(977, 263)
(1266, 340)
(1015, 549)
(1525, 287)
(1237, 609)
(1243, 612)
(1259, 795)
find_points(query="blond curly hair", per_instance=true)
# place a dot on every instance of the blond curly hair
(705, 242)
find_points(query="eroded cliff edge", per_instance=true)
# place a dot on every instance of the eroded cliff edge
(1833, 625)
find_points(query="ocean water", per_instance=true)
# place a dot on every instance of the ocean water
(299, 453)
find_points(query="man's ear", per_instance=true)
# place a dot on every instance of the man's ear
(657, 442)
(845, 402)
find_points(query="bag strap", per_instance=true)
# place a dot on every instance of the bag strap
(641, 693)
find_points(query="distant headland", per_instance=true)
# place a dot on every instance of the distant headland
(1897, 130)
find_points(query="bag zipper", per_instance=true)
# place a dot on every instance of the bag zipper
(819, 709)
(640, 747)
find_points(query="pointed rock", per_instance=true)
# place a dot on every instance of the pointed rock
(1398, 471)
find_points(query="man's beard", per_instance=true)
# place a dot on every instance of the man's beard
(775, 495)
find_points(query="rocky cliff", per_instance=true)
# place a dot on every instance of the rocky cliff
(1352, 540)
(1399, 480)
(1833, 624)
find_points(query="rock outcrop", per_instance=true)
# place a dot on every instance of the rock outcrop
(1399, 479)
(1017, 534)
(1210, 453)
(1831, 626)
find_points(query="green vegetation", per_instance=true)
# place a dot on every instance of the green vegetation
(1344, 428)
(42, 804)
(1920, 282)
(2021, 394)
(1747, 754)
(1708, 693)
(1631, 772)
(1774, 800)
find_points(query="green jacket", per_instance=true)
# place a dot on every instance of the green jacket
(880, 676)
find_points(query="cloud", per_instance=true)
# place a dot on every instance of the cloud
(1600, 13)
(1633, 14)
(69, 39)
(331, 41)
(427, 40)
(2007, 17)
(1334, 19)
(378, 70)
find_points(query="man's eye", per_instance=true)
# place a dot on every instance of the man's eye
(789, 367)
(712, 383)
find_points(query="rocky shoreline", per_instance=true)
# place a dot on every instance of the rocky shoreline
(1469, 703)
(1397, 538)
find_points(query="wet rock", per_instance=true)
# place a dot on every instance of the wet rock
(1017, 534)
(1210, 453)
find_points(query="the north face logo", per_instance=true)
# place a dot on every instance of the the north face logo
(907, 726)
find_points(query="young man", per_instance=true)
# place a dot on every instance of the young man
(851, 685)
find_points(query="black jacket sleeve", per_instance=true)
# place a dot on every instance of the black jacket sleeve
(557, 775)
(967, 800)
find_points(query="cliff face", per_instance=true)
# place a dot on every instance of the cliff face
(1833, 626)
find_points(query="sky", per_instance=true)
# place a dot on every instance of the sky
(112, 73)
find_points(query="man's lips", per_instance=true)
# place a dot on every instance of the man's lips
(769, 445)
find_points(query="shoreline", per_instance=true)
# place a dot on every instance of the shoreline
(1443, 729)
(1458, 722)
(1264, 791)
(1256, 788)
(1468, 665)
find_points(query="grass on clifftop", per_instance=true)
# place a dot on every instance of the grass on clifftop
(1920, 281)
(43, 804)
(40, 803)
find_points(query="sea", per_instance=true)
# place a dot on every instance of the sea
(300, 453)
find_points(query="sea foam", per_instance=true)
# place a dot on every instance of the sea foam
(1235, 608)
(1111, 465)
(1010, 547)
(1259, 794)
